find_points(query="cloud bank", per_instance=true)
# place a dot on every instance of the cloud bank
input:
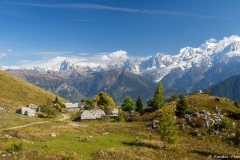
(81, 59)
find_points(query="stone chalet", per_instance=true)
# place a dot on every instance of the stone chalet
(74, 106)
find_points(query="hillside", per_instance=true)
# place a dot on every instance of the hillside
(229, 88)
(49, 82)
(117, 140)
(21, 92)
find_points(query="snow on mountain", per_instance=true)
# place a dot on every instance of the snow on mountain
(208, 54)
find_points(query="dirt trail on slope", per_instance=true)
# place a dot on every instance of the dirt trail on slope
(65, 116)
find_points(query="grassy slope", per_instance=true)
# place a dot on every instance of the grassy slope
(117, 140)
(21, 92)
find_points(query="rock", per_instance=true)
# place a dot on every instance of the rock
(53, 135)
(202, 112)
(137, 139)
(233, 125)
(7, 136)
(231, 135)
(216, 132)
(181, 126)
(90, 136)
(204, 117)
(208, 113)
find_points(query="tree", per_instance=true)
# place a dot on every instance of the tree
(128, 104)
(182, 105)
(173, 97)
(49, 109)
(105, 100)
(158, 99)
(83, 100)
(236, 103)
(208, 91)
(58, 104)
(166, 126)
(139, 104)
(89, 104)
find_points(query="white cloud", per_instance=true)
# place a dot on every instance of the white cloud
(119, 9)
(9, 50)
(115, 56)
(212, 40)
(2, 55)
(92, 60)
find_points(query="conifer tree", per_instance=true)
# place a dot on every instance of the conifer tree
(139, 104)
(182, 105)
(166, 126)
(158, 99)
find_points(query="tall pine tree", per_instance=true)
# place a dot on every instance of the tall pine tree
(158, 99)
(139, 104)
(182, 105)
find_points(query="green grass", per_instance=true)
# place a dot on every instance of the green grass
(113, 140)
(20, 92)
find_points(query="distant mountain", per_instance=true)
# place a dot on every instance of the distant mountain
(50, 82)
(229, 88)
(189, 70)
(22, 92)
(117, 82)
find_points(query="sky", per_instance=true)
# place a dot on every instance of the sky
(92, 32)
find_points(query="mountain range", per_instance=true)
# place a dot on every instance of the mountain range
(189, 70)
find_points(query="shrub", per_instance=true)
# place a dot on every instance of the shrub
(121, 116)
(225, 123)
(41, 115)
(17, 146)
(136, 117)
(76, 116)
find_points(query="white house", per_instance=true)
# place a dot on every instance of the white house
(74, 106)
(25, 111)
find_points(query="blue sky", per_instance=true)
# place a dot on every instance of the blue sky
(44, 32)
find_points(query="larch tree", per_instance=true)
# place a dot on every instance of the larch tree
(166, 126)
(158, 99)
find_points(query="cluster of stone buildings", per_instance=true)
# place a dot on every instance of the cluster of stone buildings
(30, 110)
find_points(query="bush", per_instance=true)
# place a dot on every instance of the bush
(137, 117)
(225, 123)
(16, 147)
(76, 116)
(121, 117)
(41, 115)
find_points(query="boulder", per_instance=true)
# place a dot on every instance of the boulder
(53, 135)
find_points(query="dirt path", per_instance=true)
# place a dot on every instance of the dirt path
(65, 116)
